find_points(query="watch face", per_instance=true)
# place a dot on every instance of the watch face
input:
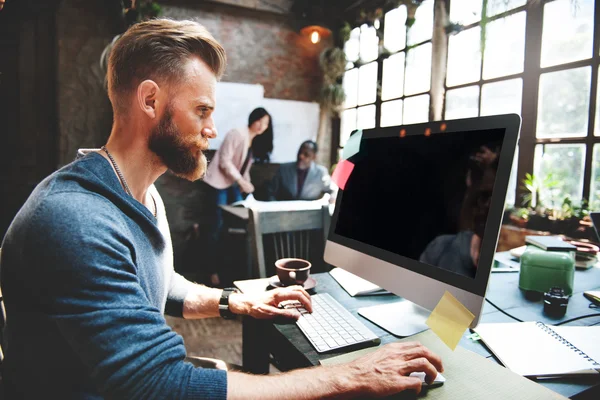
(224, 303)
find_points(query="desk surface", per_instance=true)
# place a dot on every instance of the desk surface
(290, 344)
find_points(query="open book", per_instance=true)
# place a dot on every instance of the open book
(355, 285)
(535, 349)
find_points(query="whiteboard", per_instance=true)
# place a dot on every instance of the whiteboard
(235, 102)
(293, 123)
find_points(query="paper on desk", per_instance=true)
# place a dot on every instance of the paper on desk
(352, 146)
(449, 320)
(342, 173)
(468, 375)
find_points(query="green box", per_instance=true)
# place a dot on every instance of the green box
(541, 270)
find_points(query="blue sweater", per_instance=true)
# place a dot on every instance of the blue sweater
(86, 274)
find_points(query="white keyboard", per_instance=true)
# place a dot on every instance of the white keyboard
(330, 326)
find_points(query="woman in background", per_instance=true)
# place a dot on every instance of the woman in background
(228, 173)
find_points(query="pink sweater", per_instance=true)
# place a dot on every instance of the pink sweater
(224, 169)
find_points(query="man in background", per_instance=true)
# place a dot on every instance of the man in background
(303, 179)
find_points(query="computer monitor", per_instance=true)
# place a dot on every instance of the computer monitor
(421, 211)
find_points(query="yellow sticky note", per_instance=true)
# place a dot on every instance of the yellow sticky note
(449, 320)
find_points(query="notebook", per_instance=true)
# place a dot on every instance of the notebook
(355, 285)
(534, 349)
(550, 243)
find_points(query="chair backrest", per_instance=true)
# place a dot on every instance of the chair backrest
(282, 234)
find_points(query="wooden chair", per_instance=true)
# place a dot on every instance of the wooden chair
(282, 234)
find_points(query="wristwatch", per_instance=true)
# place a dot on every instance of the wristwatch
(224, 303)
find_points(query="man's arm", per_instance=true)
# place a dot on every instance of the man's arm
(84, 271)
(203, 302)
(381, 373)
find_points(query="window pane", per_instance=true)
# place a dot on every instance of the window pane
(568, 30)
(563, 104)
(504, 46)
(369, 43)
(347, 125)
(559, 167)
(366, 117)
(464, 57)
(502, 97)
(367, 83)
(391, 113)
(418, 70)
(465, 12)
(392, 85)
(422, 29)
(416, 109)
(496, 7)
(394, 34)
(462, 103)
(595, 187)
(351, 47)
(512, 181)
(351, 88)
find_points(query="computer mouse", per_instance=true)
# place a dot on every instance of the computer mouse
(438, 381)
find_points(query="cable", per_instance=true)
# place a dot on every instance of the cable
(502, 311)
(575, 319)
(560, 323)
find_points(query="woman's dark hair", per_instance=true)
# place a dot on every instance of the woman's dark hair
(262, 145)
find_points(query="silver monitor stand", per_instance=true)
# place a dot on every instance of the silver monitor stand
(403, 318)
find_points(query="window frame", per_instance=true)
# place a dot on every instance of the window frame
(532, 71)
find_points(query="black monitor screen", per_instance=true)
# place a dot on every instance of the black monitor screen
(423, 197)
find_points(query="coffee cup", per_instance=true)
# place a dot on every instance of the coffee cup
(292, 271)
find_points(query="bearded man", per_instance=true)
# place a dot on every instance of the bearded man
(87, 264)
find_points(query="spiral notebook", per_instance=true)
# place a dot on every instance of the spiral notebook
(534, 349)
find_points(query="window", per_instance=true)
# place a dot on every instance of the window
(566, 126)
(391, 86)
(537, 59)
(485, 77)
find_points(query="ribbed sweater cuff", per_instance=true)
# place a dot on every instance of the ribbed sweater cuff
(207, 384)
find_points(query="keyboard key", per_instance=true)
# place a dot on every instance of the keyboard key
(330, 326)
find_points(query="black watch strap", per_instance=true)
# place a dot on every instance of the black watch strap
(224, 303)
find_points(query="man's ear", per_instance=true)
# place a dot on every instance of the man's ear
(147, 95)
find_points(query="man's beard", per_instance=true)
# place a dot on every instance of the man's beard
(184, 159)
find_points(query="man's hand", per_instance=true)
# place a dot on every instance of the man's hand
(266, 305)
(385, 371)
(245, 186)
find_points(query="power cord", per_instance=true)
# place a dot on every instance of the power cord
(560, 323)
(575, 319)
(502, 311)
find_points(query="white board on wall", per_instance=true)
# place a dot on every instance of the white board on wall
(293, 123)
(235, 102)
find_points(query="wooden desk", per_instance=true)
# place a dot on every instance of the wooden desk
(290, 349)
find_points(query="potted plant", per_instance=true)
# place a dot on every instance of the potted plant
(555, 214)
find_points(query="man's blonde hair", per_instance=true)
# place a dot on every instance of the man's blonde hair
(158, 49)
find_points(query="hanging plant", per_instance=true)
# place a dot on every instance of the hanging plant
(140, 10)
(333, 65)
(332, 97)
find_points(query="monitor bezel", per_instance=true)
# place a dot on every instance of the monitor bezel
(511, 124)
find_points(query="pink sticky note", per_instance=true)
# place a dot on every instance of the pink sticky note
(342, 173)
